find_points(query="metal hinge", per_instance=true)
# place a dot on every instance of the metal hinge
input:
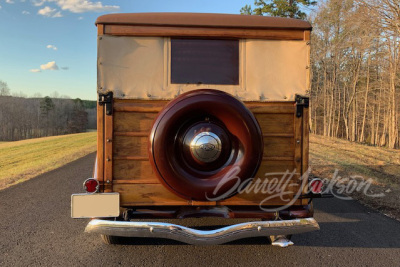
(301, 103)
(106, 100)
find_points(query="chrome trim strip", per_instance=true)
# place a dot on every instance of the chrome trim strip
(201, 237)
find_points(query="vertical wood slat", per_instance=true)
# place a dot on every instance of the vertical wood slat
(307, 35)
(100, 29)
(306, 136)
(100, 132)
(100, 144)
(305, 147)
(298, 123)
(108, 136)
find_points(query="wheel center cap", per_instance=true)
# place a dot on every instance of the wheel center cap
(206, 146)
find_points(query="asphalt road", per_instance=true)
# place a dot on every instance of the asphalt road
(36, 229)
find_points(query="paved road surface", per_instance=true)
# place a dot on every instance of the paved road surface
(36, 229)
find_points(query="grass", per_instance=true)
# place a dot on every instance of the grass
(22, 160)
(380, 164)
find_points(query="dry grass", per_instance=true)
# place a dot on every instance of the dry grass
(380, 164)
(22, 160)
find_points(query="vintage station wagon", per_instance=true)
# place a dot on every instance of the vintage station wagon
(201, 115)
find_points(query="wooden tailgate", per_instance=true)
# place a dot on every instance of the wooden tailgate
(124, 166)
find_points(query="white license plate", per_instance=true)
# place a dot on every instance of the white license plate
(95, 205)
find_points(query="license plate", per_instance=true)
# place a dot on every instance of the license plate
(95, 205)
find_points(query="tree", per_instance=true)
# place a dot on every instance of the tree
(246, 10)
(278, 8)
(356, 71)
(46, 105)
(4, 89)
(80, 117)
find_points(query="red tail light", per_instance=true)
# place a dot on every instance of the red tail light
(316, 186)
(91, 185)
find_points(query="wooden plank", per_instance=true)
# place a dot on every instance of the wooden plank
(133, 121)
(277, 194)
(157, 195)
(271, 169)
(133, 170)
(147, 194)
(278, 158)
(155, 106)
(133, 105)
(271, 107)
(248, 202)
(100, 29)
(278, 124)
(307, 35)
(278, 135)
(278, 147)
(203, 203)
(130, 146)
(298, 128)
(135, 181)
(271, 34)
(132, 158)
(134, 134)
(305, 148)
(100, 144)
(108, 152)
(306, 139)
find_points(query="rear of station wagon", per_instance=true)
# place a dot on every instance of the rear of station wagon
(201, 115)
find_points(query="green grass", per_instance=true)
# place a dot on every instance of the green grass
(22, 160)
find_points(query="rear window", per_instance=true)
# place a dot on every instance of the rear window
(204, 61)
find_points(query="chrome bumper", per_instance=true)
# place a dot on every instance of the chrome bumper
(200, 237)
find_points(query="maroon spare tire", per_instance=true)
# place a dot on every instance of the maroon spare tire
(197, 140)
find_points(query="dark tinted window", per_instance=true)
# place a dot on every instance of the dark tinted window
(204, 61)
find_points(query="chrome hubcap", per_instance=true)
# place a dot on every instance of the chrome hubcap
(206, 147)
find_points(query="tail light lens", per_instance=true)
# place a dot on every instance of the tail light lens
(316, 186)
(91, 185)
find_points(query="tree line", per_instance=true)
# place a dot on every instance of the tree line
(24, 118)
(355, 57)
(355, 74)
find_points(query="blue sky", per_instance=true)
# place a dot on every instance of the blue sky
(49, 46)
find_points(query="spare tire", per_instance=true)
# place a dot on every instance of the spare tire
(197, 140)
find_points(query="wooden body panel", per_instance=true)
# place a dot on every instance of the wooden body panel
(271, 34)
(128, 170)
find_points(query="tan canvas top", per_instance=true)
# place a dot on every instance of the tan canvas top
(203, 20)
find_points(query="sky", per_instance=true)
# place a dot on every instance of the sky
(48, 47)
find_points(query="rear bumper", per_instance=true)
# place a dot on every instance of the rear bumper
(201, 237)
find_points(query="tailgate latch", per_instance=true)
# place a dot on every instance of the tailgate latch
(106, 100)
(301, 103)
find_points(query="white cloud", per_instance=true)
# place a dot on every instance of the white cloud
(35, 70)
(80, 6)
(51, 47)
(25, 12)
(49, 66)
(38, 2)
(0, 7)
(80, 18)
(57, 15)
(49, 12)
(9, 1)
